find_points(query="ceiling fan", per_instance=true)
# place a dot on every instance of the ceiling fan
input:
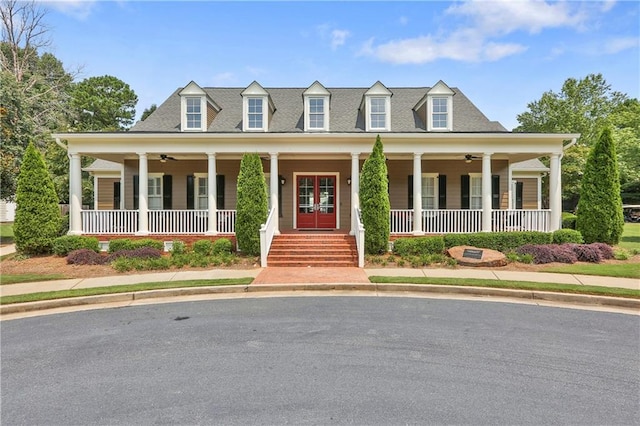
(469, 157)
(165, 157)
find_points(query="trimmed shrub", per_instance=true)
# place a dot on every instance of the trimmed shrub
(562, 236)
(418, 246)
(203, 247)
(599, 210)
(374, 201)
(37, 221)
(547, 253)
(138, 253)
(568, 220)
(178, 248)
(128, 244)
(62, 246)
(586, 253)
(222, 246)
(85, 257)
(252, 206)
(606, 251)
(500, 241)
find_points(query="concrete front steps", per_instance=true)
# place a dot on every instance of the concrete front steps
(323, 250)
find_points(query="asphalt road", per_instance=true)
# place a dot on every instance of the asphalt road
(322, 360)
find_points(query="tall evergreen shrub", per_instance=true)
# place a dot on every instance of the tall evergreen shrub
(38, 220)
(599, 215)
(252, 206)
(374, 201)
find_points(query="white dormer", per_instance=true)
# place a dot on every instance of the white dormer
(439, 108)
(316, 108)
(376, 107)
(257, 108)
(197, 109)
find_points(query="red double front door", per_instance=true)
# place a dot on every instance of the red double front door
(316, 201)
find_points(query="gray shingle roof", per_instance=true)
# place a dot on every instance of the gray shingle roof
(344, 117)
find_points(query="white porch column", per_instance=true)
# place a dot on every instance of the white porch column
(417, 194)
(274, 185)
(75, 195)
(122, 188)
(555, 192)
(212, 196)
(95, 192)
(355, 189)
(486, 192)
(143, 194)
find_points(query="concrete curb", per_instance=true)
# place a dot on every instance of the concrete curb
(577, 299)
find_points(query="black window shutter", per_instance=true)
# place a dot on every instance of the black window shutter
(464, 191)
(495, 192)
(136, 192)
(519, 188)
(410, 187)
(220, 192)
(116, 195)
(167, 192)
(190, 193)
(442, 191)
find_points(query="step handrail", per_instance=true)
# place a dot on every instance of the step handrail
(267, 231)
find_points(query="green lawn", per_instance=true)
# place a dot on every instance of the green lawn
(27, 278)
(623, 270)
(630, 236)
(6, 233)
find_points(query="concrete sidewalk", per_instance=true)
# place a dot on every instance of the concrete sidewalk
(330, 275)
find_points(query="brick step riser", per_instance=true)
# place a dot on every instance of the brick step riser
(312, 247)
(323, 255)
(285, 259)
(317, 265)
(313, 250)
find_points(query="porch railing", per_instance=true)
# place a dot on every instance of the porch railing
(109, 221)
(358, 230)
(521, 220)
(451, 221)
(267, 231)
(160, 221)
(401, 221)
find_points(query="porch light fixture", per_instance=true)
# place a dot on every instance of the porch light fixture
(468, 158)
(349, 180)
(282, 180)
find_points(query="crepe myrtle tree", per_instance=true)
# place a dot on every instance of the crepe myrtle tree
(252, 205)
(374, 201)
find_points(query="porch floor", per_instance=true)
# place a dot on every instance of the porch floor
(310, 275)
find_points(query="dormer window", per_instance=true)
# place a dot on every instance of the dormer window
(194, 113)
(255, 114)
(198, 110)
(436, 108)
(377, 108)
(316, 108)
(439, 113)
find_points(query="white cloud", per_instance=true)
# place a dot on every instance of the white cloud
(619, 44)
(79, 9)
(403, 20)
(504, 17)
(338, 38)
(480, 35)
(607, 5)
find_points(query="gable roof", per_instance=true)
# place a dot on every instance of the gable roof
(344, 117)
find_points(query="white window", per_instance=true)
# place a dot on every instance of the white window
(475, 191)
(255, 114)
(202, 192)
(378, 113)
(316, 113)
(194, 113)
(440, 113)
(154, 192)
(429, 191)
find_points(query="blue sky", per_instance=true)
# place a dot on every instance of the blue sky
(502, 55)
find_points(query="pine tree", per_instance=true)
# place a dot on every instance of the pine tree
(599, 215)
(38, 220)
(252, 206)
(374, 201)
